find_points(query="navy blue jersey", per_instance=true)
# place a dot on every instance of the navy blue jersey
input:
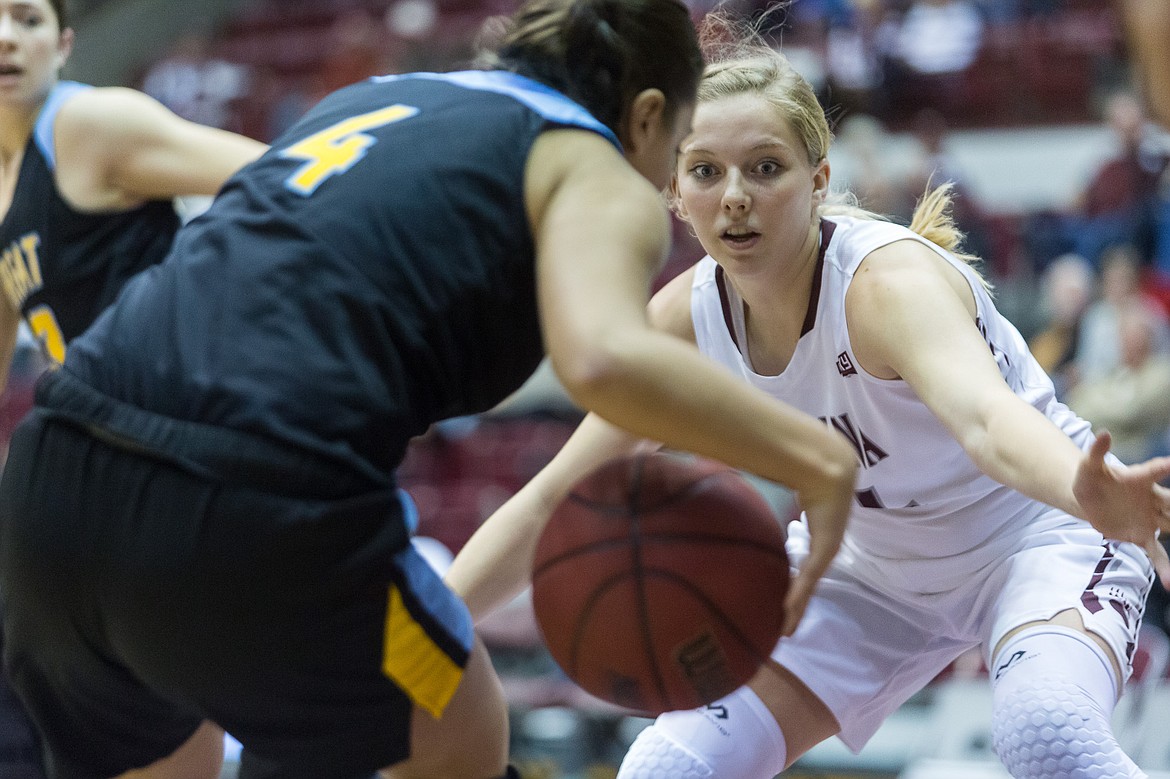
(60, 267)
(372, 273)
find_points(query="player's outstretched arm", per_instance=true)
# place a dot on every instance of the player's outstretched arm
(928, 338)
(118, 147)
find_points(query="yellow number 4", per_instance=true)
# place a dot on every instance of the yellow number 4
(338, 148)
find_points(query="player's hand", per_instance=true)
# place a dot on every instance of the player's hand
(827, 518)
(1124, 503)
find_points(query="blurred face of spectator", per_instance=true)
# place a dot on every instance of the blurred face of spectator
(1069, 287)
(33, 48)
(1127, 119)
(1136, 337)
(1119, 275)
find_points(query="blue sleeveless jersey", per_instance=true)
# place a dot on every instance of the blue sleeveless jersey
(61, 267)
(372, 273)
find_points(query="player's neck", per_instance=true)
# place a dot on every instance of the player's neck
(16, 126)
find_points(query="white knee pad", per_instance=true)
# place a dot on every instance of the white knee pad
(734, 738)
(1054, 693)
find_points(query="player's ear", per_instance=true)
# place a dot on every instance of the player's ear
(64, 46)
(820, 183)
(675, 199)
(644, 119)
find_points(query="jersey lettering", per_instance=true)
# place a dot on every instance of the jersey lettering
(336, 149)
(868, 453)
(43, 324)
(20, 269)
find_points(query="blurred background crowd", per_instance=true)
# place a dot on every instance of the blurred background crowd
(1028, 106)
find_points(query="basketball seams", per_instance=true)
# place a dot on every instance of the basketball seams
(612, 544)
(582, 620)
(633, 506)
(639, 581)
(712, 608)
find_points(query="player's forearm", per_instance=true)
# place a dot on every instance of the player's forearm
(1020, 448)
(663, 389)
(495, 564)
(9, 329)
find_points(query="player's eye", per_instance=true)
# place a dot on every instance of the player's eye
(702, 171)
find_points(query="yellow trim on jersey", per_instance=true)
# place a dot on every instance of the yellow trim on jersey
(412, 660)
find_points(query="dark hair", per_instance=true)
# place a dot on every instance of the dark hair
(62, 11)
(602, 53)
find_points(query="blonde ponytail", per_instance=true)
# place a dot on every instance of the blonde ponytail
(934, 221)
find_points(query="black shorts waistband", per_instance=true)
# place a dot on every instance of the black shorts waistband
(217, 453)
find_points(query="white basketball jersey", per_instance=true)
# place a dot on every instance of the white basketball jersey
(925, 517)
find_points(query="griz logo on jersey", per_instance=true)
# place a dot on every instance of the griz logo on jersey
(20, 269)
(845, 365)
(868, 453)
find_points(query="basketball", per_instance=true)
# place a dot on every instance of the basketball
(659, 582)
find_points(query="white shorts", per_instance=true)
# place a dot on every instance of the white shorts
(864, 647)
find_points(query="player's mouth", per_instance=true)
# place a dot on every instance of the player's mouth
(10, 70)
(740, 238)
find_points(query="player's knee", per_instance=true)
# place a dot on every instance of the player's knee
(656, 754)
(733, 738)
(1046, 728)
(1051, 720)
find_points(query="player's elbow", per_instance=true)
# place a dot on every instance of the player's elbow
(589, 379)
(596, 376)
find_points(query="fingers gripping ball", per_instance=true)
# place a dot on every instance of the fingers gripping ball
(659, 582)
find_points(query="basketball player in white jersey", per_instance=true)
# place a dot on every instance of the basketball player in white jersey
(987, 513)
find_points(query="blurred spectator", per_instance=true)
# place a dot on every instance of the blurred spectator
(1132, 401)
(412, 19)
(297, 96)
(1120, 201)
(1067, 289)
(1098, 348)
(856, 45)
(930, 130)
(196, 84)
(936, 42)
(864, 165)
(412, 26)
(939, 37)
(355, 53)
(1000, 12)
(935, 166)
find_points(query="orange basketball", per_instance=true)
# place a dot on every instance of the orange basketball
(659, 582)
